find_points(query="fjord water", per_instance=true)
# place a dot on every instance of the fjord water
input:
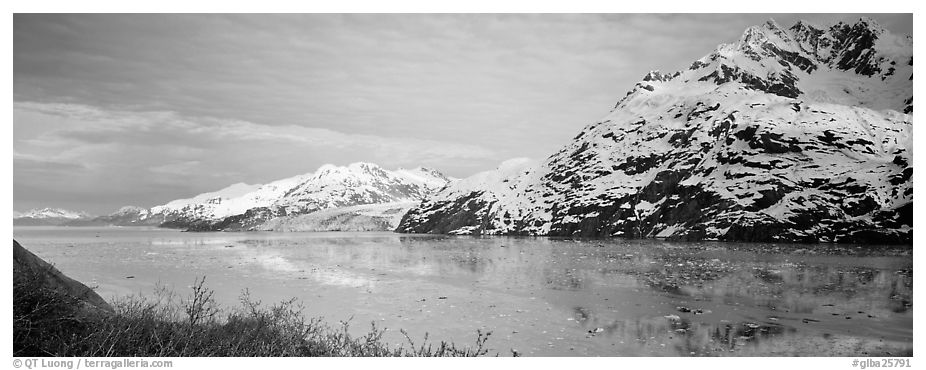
(538, 296)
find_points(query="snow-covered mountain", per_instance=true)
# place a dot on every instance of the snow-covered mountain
(211, 205)
(48, 216)
(249, 207)
(359, 196)
(54, 213)
(125, 216)
(798, 134)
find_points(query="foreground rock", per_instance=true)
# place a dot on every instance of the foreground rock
(28, 265)
(791, 135)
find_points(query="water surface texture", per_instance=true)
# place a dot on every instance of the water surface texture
(538, 296)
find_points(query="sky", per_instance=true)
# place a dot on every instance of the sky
(113, 109)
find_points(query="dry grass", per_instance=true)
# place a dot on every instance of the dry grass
(48, 323)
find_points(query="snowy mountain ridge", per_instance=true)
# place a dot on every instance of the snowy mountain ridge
(799, 134)
(808, 62)
(48, 217)
(358, 196)
(59, 213)
(243, 206)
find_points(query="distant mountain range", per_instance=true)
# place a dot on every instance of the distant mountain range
(801, 134)
(360, 196)
(48, 216)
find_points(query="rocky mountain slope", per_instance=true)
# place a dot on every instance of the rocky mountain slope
(360, 196)
(48, 217)
(27, 265)
(799, 134)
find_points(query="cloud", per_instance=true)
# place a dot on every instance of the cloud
(91, 149)
(26, 163)
(85, 125)
(184, 168)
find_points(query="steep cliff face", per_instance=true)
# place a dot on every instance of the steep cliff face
(800, 134)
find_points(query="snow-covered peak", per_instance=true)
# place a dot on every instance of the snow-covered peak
(360, 183)
(430, 178)
(328, 186)
(366, 166)
(655, 75)
(330, 172)
(870, 24)
(804, 30)
(756, 37)
(496, 179)
(366, 172)
(47, 213)
(229, 192)
(770, 24)
(324, 169)
(131, 212)
(859, 64)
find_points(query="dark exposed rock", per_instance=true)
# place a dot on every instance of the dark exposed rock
(783, 85)
(767, 141)
(903, 177)
(637, 165)
(463, 212)
(858, 42)
(26, 263)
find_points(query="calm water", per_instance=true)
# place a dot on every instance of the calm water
(538, 296)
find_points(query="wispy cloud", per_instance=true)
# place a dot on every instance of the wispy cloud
(34, 163)
(85, 125)
(135, 149)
